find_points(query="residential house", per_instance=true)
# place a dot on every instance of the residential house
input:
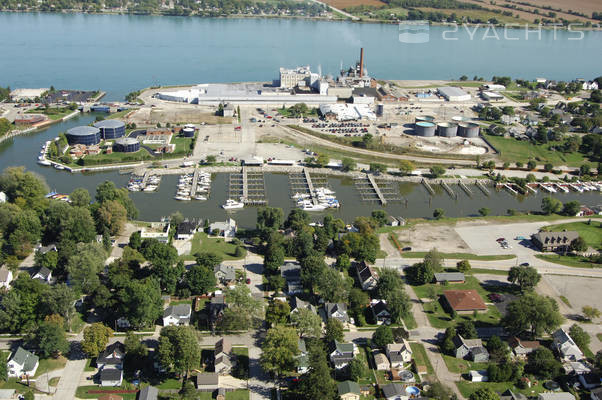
(223, 364)
(382, 362)
(449, 277)
(6, 277)
(521, 348)
(226, 228)
(487, 332)
(399, 353)
(590, 380)
(394, 391)
(380, 312)
(367, 276)
(178, 314)
(566, 347)
(302, 358)
(510, 119)
(111, 376)
(464, 301)
(148, 393)
(43, 275)
(342, 354)
(349, 390)
(471, 349)
(111, 356)
(589, 85)
(225, 274)
(22, 362)
(216, 308)
(337, 311)
(223, 358)
(45, 249)
(554, 241)
(576, 367)
(297, 304)
(510, 395)
(478, 376)
(555, 396)
(207, 382)
(186, 229)
(596, 394)
(291, 272)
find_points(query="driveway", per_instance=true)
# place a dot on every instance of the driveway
(70, 379)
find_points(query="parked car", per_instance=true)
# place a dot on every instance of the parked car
(525, 264)
(495, 297)
(248, 281)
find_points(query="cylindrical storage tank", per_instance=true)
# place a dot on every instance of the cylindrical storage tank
(189, 126)
(126, 145)
(111, 128)
(380, 109)
(468, 130)
(447, 129)
(425, 118)
(188, 132)
(87, 135)
(425, 129)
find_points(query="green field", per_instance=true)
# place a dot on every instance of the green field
(202, 243)
(420, 357)
(460, 256)
(50, 364)
(82, 392)
(591, 233)
(467, 388)
(512, 150)
(460, 366)
(569, 261)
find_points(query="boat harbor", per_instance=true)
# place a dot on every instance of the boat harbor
(248, 186)
(148, 182)
(312, 193)
(376, 190)
(194, 186)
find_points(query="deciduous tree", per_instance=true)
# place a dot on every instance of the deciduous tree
(96, 337)
(279, 350)
(307, 323)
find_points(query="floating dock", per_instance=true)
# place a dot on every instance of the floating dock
(377, 190)
(449, 190)
(465, 188)
(428, 187)
(482, 187)
(248, 186)
(382, 199)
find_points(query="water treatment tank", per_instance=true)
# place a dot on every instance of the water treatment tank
(424, 128)
(87, 135)
(188, 132)
(425, 118)
(468, 129)
(111, 128)
(126, 145)
(447, 129)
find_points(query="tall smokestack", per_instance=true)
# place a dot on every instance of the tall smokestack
(362, 62)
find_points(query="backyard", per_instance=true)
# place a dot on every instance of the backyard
(203, 243)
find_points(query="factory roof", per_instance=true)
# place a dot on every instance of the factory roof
(450, 91)
(109, 123)
(83, 131)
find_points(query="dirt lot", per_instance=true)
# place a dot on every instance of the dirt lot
(177, 115)
(423, 237)
(482, 239)
(341, 4)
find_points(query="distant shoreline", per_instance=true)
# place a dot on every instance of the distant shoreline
(324, 19)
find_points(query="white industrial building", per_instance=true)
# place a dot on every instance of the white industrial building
(453, 93)
(348, 112)
(289, 78)
(493, 86)
(491, 96)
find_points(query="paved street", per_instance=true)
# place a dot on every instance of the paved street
(70, 379)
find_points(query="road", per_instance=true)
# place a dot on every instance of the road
(352, 17)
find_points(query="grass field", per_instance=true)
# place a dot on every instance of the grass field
(420, 357)
(341, 4)
(512, 150)
(467, 388)
(50, 364)
(409, 321)
(201, 243)
(569, 261)
(484, 15)
(460, 366)
(460, 256)
(591, 233)
(82, 393)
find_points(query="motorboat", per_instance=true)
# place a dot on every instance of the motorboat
(150, 188)
(324, 190)
(58, 166)
(200, 197)
(44, 162)
(297, 196)
(182, 198)
(232, 205)
(307, 205)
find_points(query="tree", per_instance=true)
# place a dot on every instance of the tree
(578, 245)
(463, 266)
(107, 191)
(434, 260)
(96, 337)
(484, 394)
(317, 383)
(322, 160)
(77, 226)
(347, 164)
(406, 167)
(307, 323)
(357, 369)
(135, 352)
(377, 168)
(382, 336)
(596, 96)
(531, 164)
(208, 259)
(525, 277)
(334, 330)
(84, 266)
(542, 362)
(297, 219)
(332, 286)
(243, 312)
(80, 197)
(590, 312)
(60, 300)
(269, 218)
(571, 208)
(437, 171)
(440, 392)
(50, 340)
(448, 346)
(179, 349)
(277, 312)
(141, 302)
(438, 213)
(484, 211)
(534, 313)
(200, 279)
(18, 183)
(467, 330)
(388, 280)
(498, 350)
(380, 217)
(550, 205)
(135, 240)
(579, 336)
(279, 350)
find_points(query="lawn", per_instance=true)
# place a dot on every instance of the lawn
(50, 364)
(54, 381)
(82, 392)
(459, 256)
(513, 150)
(170, 384)
(487, 271)
(467, 388)
(420, 357)
(201, 243)
(569, 261)
(241, 370)
(240, 394)
(591, 233)
(409, 321)
(599, 336)
(460, 366)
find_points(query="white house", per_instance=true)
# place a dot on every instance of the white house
(22, 362)
(225, 229)
(566, 347)
(6, 277)
(43, 275)
(111, 357)
(399, 353)
(177, 315)
(111, 377)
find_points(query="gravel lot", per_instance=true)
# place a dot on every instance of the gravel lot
(580, 291)
(482, 239)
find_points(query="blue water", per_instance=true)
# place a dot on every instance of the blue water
(119, 53)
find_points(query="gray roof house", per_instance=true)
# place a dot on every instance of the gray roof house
(510, 395)
(225, 273)
(297, 304)
(471, 349)
(399, 353)
(451, 277)
(522, 347)
(111, 376)
(393, 391)
(43, 274)
(22, 363)
(556, 396)
(223, 356)
(6, 277)
(291, 272)
(342, 354)
(367, 276)
(302, 358)
(148, 393)
(380, 311)
(566, 347)
(111, 356)
(178, 314)
(337, 311)
(207, 382)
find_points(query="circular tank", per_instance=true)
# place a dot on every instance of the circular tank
(126, 145)
(468, 129)
(87, 135)
(424, 128)
(447, 129)
(425, 118)
(188, 132)
(111, 128)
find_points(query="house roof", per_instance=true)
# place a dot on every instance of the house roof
(464, 300)
(556, 238)
(228, 270)
(530, 344)
(223, 359)
(556, 396)
(565, 344)
(449, 277)
(110, 374)
(43, 272)
(379, 307)
(297, 303)
(180, 311)
(392, 390)
(113, 354)
(223, 346)
(148, 393)
(291, 271)
(591, 378)
(342, 347)
(4, 271)
(187, 227)
(25, 358)
(110, 396)
(207, 379)
(223, 225)
(302, 347)
(380, 358)
(332, 308)
(469, 343)
(366, 272)
(510, 395)
(348, 387)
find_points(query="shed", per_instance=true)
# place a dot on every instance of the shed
(207, 382)
(478, 376)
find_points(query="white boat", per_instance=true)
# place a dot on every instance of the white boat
(182, 198)
(307, 205)
(150, 188)
(232, 205)
(297, 196)
(44, 162)
(58, 166)
(199, 197)
(324, 190)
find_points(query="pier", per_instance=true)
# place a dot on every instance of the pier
(449, 191)
(377, 190)
(482, 187)
(145, 177)
(509, 188)
(310, 186)
(248, 186)
(465, 188)
(428, 187)
(195, 179)
(382, 199)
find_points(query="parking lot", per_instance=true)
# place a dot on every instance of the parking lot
(580, 291)
(483, 239)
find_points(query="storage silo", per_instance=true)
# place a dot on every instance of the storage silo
(86, 135)
(425, 118)
(447, 129)
(468, 129)
(111, 128)
(126, 145)
(426, 129)
(188, 132)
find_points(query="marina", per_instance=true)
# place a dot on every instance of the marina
(148, 182)
(376, 190)
(311, 193)
(248, 185)
(193, 186)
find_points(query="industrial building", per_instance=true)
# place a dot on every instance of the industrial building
(468, 129)
(424, 128)
(453, 93)
(87, 135)
(289, 78)
(111, 128)
(491, 96)
(126, 145)
(347, 112)
(447, 129)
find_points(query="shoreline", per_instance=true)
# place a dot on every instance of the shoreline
(355, 19)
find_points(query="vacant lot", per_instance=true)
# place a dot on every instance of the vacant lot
(578, 290)
(423, 237)
(528, 12)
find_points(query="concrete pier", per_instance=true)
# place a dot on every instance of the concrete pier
(382, 199)
(310, 186)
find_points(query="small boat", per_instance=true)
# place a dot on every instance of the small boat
(307, 205)
(232, 205)
(44, 162)
(199, 197)
(58, 166)
(150, 188)
(182, 198)
(297, 196)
